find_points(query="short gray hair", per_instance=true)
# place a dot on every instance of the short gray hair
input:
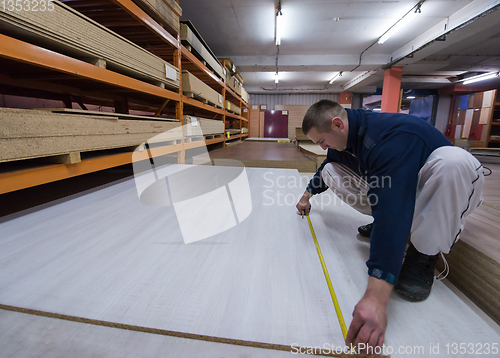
(320, 114)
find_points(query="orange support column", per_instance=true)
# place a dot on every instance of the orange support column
(391, 89)
(345, 99)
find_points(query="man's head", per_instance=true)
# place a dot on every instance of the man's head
(326, 124)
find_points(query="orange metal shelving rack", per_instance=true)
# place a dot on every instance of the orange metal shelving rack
(48, 73)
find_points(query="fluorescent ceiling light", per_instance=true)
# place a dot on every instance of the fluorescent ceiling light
(279, 27)
(339, 74)
(377, 109)
(397, 27)
(482, 77)
(410, 97)
(276, 78)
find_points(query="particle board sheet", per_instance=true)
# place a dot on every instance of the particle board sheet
(232, 107)
(29, 133)
(264, 155)
(193, 86)
(107, 256)
(254, 121)
(192, 37)
(162, 12)
(444, 318)
(107, 114)
(67, 31)
(203, 126)
(315, 151)
(244, 95)
(257, 139)
(295, 116)
(26, 335)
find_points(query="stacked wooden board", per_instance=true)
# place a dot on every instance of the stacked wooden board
(29, 134)
(165, 12)
(470, 122)
(232, 107)
(193, 87)
(69, 32)
(244, 95)
(256, 121)
(202, 126)
(314, 151)
(191, 38)
(233, 83)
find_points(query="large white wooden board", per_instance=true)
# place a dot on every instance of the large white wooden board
(107, 256)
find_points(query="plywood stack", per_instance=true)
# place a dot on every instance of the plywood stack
(295, 116)
(232, 107)
(314, 151)
(254, 121)
(203, 126)
(67, 31)
(300, 136)
(244, 95)
(233, 83)
(30, 134)
(193, 87)
(470, 121)
(193, 41)
(233, 77)
(165, 12)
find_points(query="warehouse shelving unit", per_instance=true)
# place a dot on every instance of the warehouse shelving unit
(33, 71)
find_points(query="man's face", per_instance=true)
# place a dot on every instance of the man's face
(336, 138)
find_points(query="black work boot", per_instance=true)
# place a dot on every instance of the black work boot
(366, 230)
(417, 275)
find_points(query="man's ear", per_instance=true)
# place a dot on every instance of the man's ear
(337, 123)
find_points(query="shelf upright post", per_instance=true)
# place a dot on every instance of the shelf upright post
(224, 103)
(179, 108)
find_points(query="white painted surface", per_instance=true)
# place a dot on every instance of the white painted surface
(109, 257)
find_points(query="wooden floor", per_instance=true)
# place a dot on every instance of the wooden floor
(266, 154)
(107, 258)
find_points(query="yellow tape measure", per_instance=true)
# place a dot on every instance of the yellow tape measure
(329, 282)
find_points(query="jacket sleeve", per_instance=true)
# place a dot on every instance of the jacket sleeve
(393, 185)
(316, 184)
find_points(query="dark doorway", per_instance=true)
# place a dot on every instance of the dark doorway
(276, 124)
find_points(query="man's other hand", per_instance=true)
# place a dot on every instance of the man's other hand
(370, 317)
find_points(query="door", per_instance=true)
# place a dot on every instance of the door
(276, 124)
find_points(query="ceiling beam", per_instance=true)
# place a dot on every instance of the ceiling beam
(308, 62)
(476, 16)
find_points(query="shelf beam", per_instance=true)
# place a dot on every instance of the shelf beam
(20, 51)
(28, 178)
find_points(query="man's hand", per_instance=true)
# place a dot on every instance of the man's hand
(370, 317)
(303, 205)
